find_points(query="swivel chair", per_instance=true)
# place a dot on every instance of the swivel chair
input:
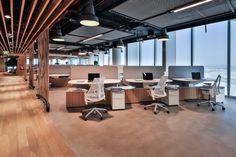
(157, 92)
(212, 91)
(94, 94)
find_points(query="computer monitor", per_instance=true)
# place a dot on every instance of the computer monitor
(91, 76)
(147, 76)
(196, 75)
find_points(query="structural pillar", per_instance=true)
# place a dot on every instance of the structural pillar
(116, 56)
(43, 67)
(31, 68)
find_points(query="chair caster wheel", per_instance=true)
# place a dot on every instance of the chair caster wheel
(223, 108)
(101, 118)
(155, 112)
(85, 119)
(212, 109)
(145, 108)
(198, 105)
(83, 113)
(168, 112)
(105, 111)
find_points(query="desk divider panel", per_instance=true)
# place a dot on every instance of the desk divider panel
(59, 69)
(184, 71)
(81, 72)
(136, 72)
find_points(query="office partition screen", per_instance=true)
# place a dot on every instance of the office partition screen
(233, 56)
(210, 50)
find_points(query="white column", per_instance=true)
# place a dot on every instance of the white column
(116, 56)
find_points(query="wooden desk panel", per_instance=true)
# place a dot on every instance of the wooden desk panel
(76, 98)
(189, 93)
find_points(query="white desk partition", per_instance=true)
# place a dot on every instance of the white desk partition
(136, 72)
(59, 69)
(184, 71)
(81, 72)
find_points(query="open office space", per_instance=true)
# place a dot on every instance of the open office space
(117, 78)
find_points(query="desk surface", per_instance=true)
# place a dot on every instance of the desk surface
(191, 80)
(145, 81)
(85, 81)
(59, 75)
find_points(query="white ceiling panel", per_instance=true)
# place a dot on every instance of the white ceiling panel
(70, 38)
(73, 47)
(141, 9)
(55, 45)
(199, 12)
(89, 31)
(115, 35)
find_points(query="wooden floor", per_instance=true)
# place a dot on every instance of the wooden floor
(25, 129)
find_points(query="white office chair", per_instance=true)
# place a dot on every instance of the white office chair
(158, 92)
(212, 91)
(95, 94)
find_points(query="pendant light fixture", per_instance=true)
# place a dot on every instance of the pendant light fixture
(120, 43)
(58, 36)
(88, 18)
(163, 36)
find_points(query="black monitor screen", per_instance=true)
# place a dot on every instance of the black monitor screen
(196, 75)
(91, 76)
(147, 76)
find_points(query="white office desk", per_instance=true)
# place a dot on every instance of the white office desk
(86, 82)
(145, 81)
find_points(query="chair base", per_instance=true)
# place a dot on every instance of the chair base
(156, 106)
(212, 104)
(93, 111)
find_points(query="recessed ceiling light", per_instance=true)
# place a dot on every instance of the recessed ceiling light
(7, 16)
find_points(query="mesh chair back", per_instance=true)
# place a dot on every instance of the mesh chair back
(96, 90)
(159, 90)
(215, 89)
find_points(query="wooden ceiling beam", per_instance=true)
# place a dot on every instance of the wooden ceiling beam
(5, 45)
(39, 13)
(20, 20)
(56, 14)
(49, 10)
(5, 27)
(12, 25)
(31, 11)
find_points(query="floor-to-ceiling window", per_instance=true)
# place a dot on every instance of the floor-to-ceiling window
(158, 52)
(210, 50)
(233, 57)
(183, 47)
(133, 53)
(147, 53)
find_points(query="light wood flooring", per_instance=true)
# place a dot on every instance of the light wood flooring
(25, 129)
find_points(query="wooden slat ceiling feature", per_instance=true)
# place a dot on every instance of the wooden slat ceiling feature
(27, 21)
(5, 28)
(19, 24)
(50, 19)
(49, 10)
(32, 8)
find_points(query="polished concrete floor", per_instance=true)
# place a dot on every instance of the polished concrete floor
(135, 132)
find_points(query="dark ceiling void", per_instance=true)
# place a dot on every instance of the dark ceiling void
(134, 20)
